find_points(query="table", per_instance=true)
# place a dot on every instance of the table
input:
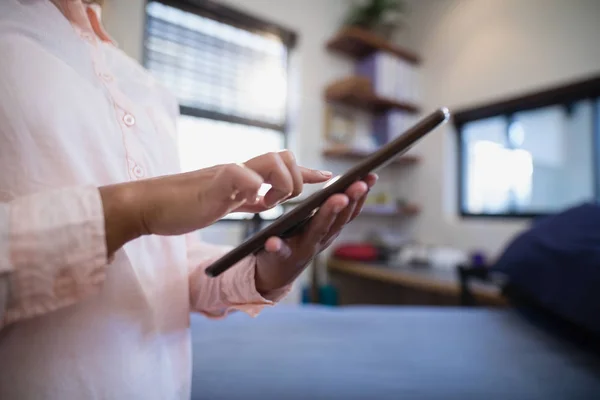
(361, 283)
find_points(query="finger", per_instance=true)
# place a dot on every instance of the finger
(360, 193)
(355, 192)
(256, 208)
(371, 180)
(278, 247)
(295, 172)
(275, 172)
(342, 219)
(235, 185)
(329, 241)
(314, 176)
(359, 206)
(321, 223)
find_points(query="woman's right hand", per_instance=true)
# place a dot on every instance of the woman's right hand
(182, 203)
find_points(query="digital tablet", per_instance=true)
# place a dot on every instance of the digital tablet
(291, 222)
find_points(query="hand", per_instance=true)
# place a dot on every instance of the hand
(283, 260)
(285, 177)
(182, 203)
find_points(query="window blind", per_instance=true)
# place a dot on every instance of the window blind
(229, 73)
(218, 70)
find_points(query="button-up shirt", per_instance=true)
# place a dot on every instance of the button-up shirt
(76, 113)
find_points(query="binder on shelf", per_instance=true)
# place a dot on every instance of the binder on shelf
(380, 69)
(391, 77)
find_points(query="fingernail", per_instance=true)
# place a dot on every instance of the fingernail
(326, 173)
(276, 202)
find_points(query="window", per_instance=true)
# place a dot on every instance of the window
(532, 156)
(229, 72)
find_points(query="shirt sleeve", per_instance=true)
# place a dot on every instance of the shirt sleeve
(52, 251)
(234, 289)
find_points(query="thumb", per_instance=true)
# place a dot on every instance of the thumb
(230, 188)
(236, 184)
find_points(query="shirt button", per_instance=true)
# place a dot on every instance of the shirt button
(138, 171)
(129, 119)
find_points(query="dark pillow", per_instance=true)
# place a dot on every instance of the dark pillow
(555, 266)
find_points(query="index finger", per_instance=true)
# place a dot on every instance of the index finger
(314, 175)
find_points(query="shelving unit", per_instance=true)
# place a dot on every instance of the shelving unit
(357, 92)
(358, 43)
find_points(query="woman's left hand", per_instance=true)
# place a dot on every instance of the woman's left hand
(283, 260)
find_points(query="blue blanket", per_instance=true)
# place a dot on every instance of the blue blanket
(386, 353)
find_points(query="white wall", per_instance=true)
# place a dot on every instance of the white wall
(124, 20)
(477, 51)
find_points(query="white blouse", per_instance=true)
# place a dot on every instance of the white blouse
(76, 113)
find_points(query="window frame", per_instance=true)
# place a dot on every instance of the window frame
(243, 20)
(565, 95)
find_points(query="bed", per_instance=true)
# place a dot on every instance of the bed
(362, 352)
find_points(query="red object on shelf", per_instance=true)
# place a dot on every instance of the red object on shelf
(357, 252)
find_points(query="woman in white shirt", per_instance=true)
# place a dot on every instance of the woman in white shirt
(98, 272)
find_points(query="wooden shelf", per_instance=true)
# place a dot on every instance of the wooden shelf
(357, 92)
(356, 155)
(358, 43)
(405, 211)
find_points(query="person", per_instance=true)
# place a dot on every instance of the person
(99, 265)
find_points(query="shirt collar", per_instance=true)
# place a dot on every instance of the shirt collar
(84, 17)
